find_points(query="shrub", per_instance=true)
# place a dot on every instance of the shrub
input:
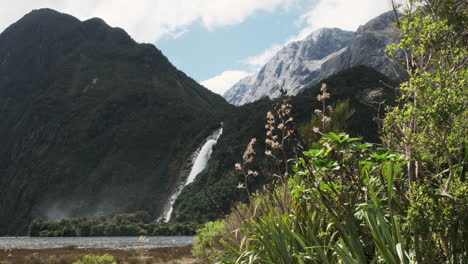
(207, 241)
(93, 259)
(341, 205)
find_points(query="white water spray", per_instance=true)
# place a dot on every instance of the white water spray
(199, 161)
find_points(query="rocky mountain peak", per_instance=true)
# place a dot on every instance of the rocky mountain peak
(383, 22)
(324, 52)
(291, 67)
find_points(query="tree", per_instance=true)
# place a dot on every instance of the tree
(429, 126)
(429, 123)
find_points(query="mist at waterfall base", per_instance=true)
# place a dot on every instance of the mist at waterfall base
(199, 160)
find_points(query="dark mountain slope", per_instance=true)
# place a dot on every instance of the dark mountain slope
(214, 190)
(91, 121)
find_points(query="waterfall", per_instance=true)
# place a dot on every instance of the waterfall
(199, 161)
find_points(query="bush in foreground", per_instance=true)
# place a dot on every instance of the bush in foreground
(93, 259)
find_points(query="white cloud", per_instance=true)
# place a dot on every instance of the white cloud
(261, 59)
(222, 82)
(148, 20)
(344, 14)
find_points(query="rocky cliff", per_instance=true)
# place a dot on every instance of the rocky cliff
(325, 52)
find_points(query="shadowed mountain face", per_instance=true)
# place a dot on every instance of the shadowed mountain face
(214, 190)
(91, 121)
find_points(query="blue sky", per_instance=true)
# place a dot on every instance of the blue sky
(204, 53)
(216, 42)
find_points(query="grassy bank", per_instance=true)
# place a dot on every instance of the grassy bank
(169, 255)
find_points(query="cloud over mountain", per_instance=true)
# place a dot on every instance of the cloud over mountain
(149, 20)
(220, 83)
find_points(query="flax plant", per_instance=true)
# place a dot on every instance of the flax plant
(328, 221)
(331, 118)
(331, 208)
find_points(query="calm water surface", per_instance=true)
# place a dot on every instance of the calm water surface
(95, 242)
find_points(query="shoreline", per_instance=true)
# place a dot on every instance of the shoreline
(170, 255)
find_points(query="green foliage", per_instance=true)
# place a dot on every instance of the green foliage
(207, 241)
(437, 222)
(339, 114)
(92, 122)
(341, 194)
(429, 124)
(134, 224)
(93, 259)
(352, 202)
(214, 192)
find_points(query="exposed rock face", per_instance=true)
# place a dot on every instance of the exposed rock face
(325, 52)
(294, 67)
(368, 48)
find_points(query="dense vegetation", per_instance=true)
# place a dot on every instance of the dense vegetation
(91, 121)
(96, 124)
(342, 200)
(214, 191)
(130, 224)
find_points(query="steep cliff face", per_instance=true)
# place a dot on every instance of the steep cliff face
(368, 48)
(294, 67)
(325, 52)
(91, 121)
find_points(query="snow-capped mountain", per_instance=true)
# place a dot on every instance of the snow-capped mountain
(326, 51)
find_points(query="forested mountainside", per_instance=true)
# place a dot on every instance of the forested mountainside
(215, 189)
(94, 123)
(91, 121)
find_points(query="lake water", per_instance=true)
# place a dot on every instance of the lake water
(95, 242)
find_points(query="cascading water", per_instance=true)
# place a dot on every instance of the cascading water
(199, 161)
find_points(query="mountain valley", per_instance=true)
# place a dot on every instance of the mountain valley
(95, 124)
